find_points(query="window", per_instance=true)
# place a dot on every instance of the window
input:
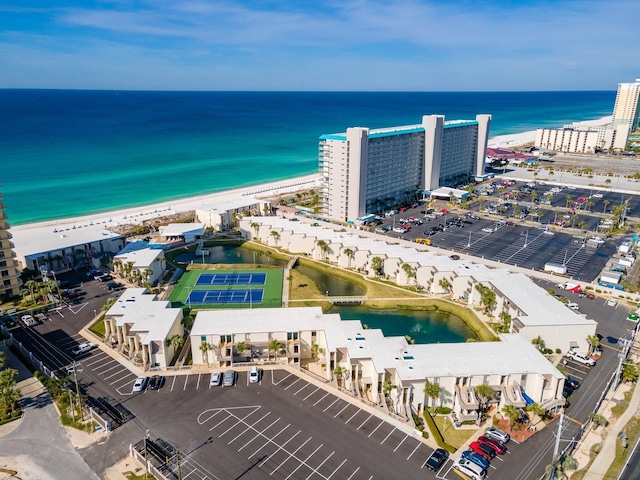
(203, 338)
(292, 335)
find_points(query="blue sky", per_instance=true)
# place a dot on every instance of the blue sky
(380, 45)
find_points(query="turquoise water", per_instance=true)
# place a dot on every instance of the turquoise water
(423, 327)
(69, 153)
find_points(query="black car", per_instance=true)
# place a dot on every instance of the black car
(113, 286)
(156, 382)
(437, 458)
(572, 383)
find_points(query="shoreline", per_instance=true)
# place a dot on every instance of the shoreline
(138, 214)
(135, 215)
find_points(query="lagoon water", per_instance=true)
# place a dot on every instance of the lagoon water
(68, 153)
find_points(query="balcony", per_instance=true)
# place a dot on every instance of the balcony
(467, 397)
(513, 396)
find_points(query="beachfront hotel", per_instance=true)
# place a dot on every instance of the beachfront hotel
(576, 138)
(364, 170)
(10, 285)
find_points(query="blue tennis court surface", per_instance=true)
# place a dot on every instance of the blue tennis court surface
(203, 297)
(231, 279)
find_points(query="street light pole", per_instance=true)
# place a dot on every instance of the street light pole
(146, 462)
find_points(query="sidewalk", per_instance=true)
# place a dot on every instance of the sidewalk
(602, 462)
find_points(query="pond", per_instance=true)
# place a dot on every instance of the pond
(422, 326)
(329, 283)
(230, 254)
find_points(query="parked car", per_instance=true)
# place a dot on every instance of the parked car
(140, 384)
(113, 286)
(254, 375)
(469, 469)
(573, 306)
(572, 382)
(581, 358)
(156, 382)
(437, 459)
(612, 302)
(487, 230)
(483, 450)
(498, 446)
(102, 277)
(28, 320)
(216, 379)
(82, 348)
(229, 378)
(497, 434)
(476, 458)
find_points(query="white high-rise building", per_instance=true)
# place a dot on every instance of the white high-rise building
(626, 110)
(364, 169)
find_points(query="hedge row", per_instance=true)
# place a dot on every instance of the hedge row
(437, 436)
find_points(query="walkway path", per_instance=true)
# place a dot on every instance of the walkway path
(37, 446)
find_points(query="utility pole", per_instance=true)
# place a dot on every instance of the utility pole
(556, 447)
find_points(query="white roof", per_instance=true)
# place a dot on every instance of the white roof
(231, 204)
(139, 253)
(36, 241)
(147, 315)
(513, 355)
(181, 229)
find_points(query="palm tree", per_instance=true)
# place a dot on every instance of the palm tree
(432, 391)
(606, 204)
(31, 285)
(341, 374)
(324, 248)
(629, 373)
(176, 341)
(568, 198)
(146, 273)
(582, 225)
(377, 266)
(274, 345)
(486, 393)
(537, 409)
(242, 347)
(387, 387)
(266, 209)
(204, 348)
(409, 270)
(594, 343)
(512, 413)
(444, 284)
(3, 360)
(316, 350)
(256, 228)
(276, 236)
(9, 394)
(349, 253)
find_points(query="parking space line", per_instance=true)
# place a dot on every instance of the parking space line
(305, 398)
(185, 382)
(280, 381)
(414, 450)
(385, 438)
(401, 442)
(205, 421)
(117, 365)
(305, 386)
(376, 429)
(260, 433)
(357, 412)
(248, 427)
(362, 424)
(277, 450)
(339, 467)
(111, 362)
(292, 455)
(113, 374)
(287, 388)
(343, 409)
(331, 405)
(99, 359)
(270, 440)
(325, 395)
(240, 420)
(318, 468)
(351, 476)
(121, 378)
(174, 382)
(304, 462)
(198, 383)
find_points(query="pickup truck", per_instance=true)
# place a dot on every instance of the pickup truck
(581, 358)
(82, 348)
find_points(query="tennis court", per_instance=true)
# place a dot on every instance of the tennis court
(231, 279)
(211, 297)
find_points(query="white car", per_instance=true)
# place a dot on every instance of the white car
(254, 375)
(487, 230)
(82, 348)
(497, 434)
(596, 195)
(28, 320)
(216, 379)
(140, 384)
(612, 302)
(597, 240)
(582, 358)
(469, 469)
(573, 306)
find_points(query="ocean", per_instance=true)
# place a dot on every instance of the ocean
(66, 153)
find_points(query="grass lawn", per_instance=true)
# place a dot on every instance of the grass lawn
(98, 327)
(455, 438)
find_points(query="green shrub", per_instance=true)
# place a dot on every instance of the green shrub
(558, 351)
(425, 435)
(443, 410)
(437, 435)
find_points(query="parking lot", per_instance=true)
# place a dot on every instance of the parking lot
(553, 233)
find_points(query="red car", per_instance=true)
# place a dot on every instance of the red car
(483, 450)
(494, 444)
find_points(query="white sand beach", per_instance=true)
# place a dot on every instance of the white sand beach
(138, 214)
(517, 139)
